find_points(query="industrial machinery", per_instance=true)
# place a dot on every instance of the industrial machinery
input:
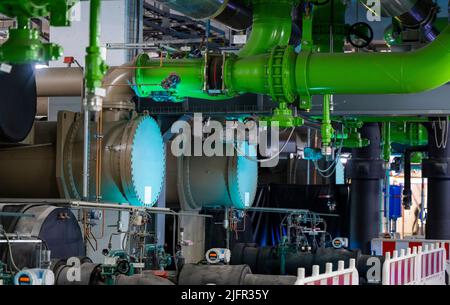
(220, 142)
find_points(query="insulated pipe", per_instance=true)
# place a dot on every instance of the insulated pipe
(117, 85)
(407, 193)
(59, 82)
(412, 14)
(437, 169)
(393, 8)
(229, 12)
(365, 169)
(68, 81)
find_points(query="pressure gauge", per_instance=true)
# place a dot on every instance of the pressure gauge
(218, 256)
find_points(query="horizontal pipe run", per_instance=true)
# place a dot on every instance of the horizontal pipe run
(85, 204)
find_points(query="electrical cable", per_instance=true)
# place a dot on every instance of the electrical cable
(271, 158)
(11, 257)
(333, 165)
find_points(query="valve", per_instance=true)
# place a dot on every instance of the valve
(360, 35)
(24, 45)
(351, 136)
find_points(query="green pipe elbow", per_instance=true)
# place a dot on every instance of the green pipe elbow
(272, 26)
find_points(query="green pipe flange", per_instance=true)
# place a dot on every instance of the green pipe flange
(281, 72)
(302, 81)
(139, 78)
(230, 59)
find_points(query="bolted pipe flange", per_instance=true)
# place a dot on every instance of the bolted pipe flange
(280, 74)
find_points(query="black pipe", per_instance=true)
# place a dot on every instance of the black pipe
(365, 169)
(198, 274)
(235, 16)
(266, 260)
(421, 15)
(407, 193)
(437, 169)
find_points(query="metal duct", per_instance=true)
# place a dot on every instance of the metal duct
(229, 12)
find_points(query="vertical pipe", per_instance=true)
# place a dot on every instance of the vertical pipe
(308, 169)
(437, 169)
(94, 72)
(86, 155)
(387, 182)
(365, 169)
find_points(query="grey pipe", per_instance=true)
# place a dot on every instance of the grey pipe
(229, 12)
(52, 82)
(393, 8)
(142, 279)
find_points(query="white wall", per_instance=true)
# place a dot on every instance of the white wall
(74, 39)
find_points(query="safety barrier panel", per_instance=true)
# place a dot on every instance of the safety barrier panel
(343, 276)
(380, 246)
(401, 269)
(419, 266)
(432, 265)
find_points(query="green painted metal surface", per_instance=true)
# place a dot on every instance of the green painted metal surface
(412, 134)
(24, 44)
(95, 65)
(267, 66)
(272, 26)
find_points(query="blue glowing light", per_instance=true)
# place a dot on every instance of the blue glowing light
(148, 163)
(243, 185)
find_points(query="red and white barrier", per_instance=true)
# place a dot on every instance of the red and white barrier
(432, 265)
(401, 269)
(380, 246)
(343, 276)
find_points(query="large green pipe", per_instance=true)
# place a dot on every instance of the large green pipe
(272, 26)
(153, 72)
(284, 75)
(377, 73)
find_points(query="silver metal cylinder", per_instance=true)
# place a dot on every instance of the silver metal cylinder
(393, 8)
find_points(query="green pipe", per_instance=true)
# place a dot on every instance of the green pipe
(285, 75)
(377, 73)
(272, 26)
(326, 129)
(387, 141)
(95, 66)
(152, 73)
(329, 19)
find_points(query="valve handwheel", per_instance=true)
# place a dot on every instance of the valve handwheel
(360, 35)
